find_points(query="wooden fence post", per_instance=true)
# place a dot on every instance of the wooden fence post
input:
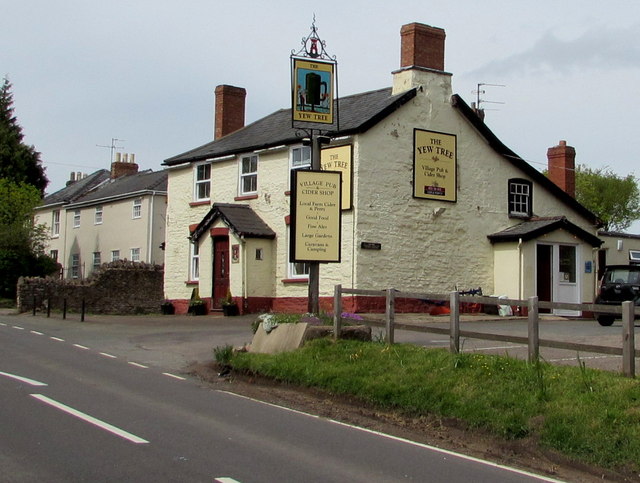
(390, 315)
(628, 340)
(337, 311)
(454, 323)
(533, 330)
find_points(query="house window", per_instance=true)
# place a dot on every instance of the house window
(634, 256)
(248, 175)
(98, 216)
(301, 157)
(96, 260)
(55, 223)
(298, 269)
(202, 189)
(75, 265)
(135, 254)
(567, 256)
(53, 254)
(115, 255)
(137, 208)
(76, 219)
(259, 254)
(520, 205)
(194, 267)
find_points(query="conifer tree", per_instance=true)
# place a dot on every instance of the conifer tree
(18, 162)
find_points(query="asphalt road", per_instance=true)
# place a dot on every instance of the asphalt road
(103, 401)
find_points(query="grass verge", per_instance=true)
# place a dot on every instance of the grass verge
(592, 416)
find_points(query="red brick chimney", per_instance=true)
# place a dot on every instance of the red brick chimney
(422, 46)
(229, 115)
(562, 165)
(124, 165)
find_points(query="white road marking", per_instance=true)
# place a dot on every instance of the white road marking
(403, 440)
(81, 347)
(3, 324)
(36, 332)
(107, 355)
(224, 479)
(90, 419)
(174, 376)
(31, 382)
(57, 339)
(138, 365)
(18, 327)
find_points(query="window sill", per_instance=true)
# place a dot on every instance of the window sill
(192, 282)
(295, 280)
(200, 203)
(246, 197)
(520, 216)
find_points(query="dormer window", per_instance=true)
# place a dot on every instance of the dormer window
(520, 198)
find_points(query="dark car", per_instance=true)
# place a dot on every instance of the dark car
(619, 283)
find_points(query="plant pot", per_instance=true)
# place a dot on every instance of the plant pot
(230, 310)
(197, 309)
(167, 309)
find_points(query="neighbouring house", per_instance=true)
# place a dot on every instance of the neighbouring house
(106, 216)
(618, 249)
(494, 222)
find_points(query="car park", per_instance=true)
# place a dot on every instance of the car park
(619, 284)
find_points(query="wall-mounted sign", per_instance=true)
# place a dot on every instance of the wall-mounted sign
(434, 165)
(339, 159)
(312, 88)
(235, 253)
(371, 246)
(315, 216)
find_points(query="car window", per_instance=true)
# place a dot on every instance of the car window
(623, 275)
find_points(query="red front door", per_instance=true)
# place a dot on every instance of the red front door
(220, 269)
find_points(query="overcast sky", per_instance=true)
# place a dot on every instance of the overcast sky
(85, 72)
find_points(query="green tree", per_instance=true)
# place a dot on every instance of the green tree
(21, 242)
(18, 162)
(615, 199)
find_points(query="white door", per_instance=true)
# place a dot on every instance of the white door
(566, 282)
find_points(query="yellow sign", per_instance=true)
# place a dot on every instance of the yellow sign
(339, 159)
(434, 165)
(316, 221)
(312, 91)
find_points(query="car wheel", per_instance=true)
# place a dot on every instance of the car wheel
(605, 320)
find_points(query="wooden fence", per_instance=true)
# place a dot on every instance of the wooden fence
(627, 311)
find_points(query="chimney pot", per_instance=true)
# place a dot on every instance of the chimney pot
(229, 110)
(422, 46)
(562, 167)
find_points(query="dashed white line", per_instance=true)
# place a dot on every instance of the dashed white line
(31, 382)
(56, 339)
(3, 324)
(81, 347)
(138, 365)
(224, 479)
(174, 376)
(90, 419)
(18, 327)
(36, 332)
(111, 356)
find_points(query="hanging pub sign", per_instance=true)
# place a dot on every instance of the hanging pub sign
(313, 90)
(434, 165)
(339, 158)
(315, 216)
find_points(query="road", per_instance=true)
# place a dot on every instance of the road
(80, 408)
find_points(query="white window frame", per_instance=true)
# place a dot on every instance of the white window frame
(115, 255)
(634, 256)
(55, 223)
(194, 262)
(76, 218)
(135, 254)
(53, 254)
(202, 182)
(293, 268)
(98, 216)
(520, 198)
(136, 211)
(300, 157)
(97, 259)
(248, 175)
(75, 265)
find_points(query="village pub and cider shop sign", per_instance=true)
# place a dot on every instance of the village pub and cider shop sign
(312, 91)
(316, 216)
(434, 165)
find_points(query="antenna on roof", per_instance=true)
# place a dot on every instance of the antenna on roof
(479, 91)
(112, 147)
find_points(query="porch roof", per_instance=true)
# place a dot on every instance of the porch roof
(537, 227)
(241, 219)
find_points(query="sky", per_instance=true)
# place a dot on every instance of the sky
(143, 73)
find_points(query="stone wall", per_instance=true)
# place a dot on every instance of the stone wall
(120, 287)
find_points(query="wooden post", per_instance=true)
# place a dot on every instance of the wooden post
(454, 323)
(337, 311)
(390, 315)
(64, 308)
(82, 311)
(34, 304)
(49, 307)
(533, 330)
(628, 340)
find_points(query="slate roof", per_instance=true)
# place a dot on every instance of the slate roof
(126, 186)
(537, 227)
(75, 190)
(241, 219)
(357, 114)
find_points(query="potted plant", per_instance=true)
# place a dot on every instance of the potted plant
(167, 308)
(196, 304)
(229, 306)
